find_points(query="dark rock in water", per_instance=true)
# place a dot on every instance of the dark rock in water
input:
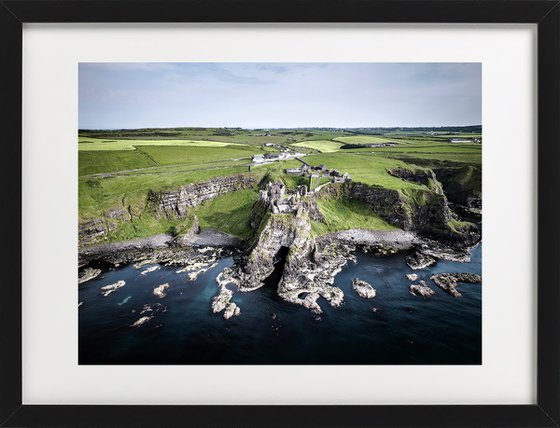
(108, 289)
(159, 291)
(422, 290)
(449, 281)
(418, 260)
(88, 274)
(363, 289)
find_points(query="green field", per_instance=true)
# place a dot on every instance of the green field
(94, 144)
(366, 168)
(324, 146)
(117, 169)
(366, 139)
(342, 215)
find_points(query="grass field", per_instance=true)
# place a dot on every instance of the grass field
(324, 146)
(367, 139)
(342, 215)
(229, 213)
(86, 143)
(117, 169)
(366, 168)
(107, 161)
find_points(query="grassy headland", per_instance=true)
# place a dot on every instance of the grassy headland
(118, 168)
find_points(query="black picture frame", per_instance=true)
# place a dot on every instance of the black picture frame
(544, 13)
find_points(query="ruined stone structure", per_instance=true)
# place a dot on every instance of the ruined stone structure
(280, 202)
(320, 171)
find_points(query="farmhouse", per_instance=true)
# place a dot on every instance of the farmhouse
(258, 159)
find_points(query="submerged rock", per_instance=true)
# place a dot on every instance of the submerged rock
(364, 289)
(154, 308)
(150, 269)
(159, 291)
(141, 321)
(145, 262)
(450, 281)
(88, 274)
(418, 260)
(421, 289)
(108, 289)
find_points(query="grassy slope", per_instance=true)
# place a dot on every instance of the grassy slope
(342, 215)
(229, 213)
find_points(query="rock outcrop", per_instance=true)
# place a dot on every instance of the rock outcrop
(175, 203)
(159, 291)
(309, 269)
(450, 281)
(418, 260)
(88, 274)
(422, 290)
(364, 289)
(108, 289)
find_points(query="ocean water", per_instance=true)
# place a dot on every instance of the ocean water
(395, 327)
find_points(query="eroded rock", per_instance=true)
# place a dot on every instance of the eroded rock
(450, 281)
(88, 274)
(159, 291)
(364, 289)
(418, 260)
(422, 289)
(108, 289)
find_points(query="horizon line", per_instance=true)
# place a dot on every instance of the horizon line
(278, 127)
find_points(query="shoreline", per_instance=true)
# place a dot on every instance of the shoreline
(395, 238)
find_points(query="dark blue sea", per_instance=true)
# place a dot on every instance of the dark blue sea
(395, 327)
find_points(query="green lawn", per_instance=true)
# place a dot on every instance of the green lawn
(324, 146)
(343, 215)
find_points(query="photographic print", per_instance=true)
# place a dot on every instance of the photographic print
(280, 213)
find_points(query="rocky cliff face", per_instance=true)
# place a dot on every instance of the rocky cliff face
(423, 211)
(276, 231)
(96, 229)
(175, 203)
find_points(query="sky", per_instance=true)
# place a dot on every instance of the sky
(276, 95)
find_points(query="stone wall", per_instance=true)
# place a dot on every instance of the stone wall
(175, 203)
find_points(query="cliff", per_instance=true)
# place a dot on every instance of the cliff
(175, 203)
